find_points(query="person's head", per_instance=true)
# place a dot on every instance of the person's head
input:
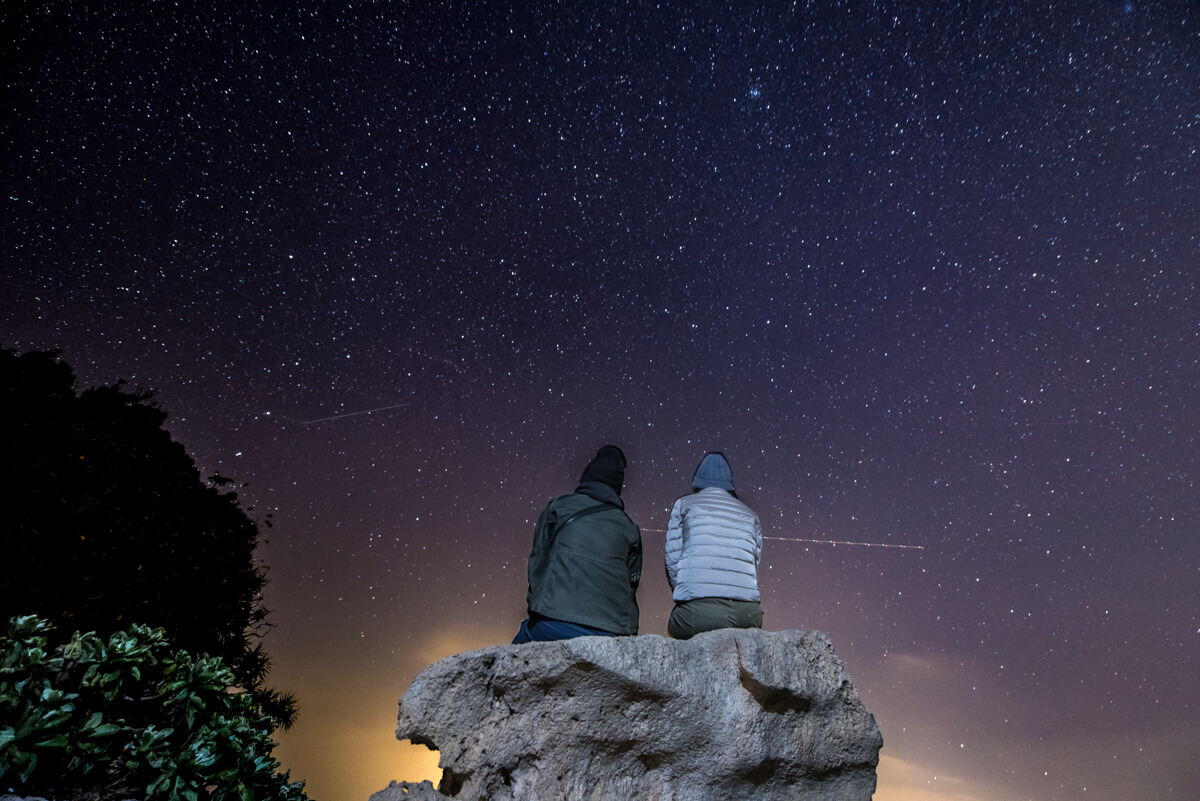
(607, 467)
(714, 471)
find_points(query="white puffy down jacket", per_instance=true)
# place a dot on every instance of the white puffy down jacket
(714, 542)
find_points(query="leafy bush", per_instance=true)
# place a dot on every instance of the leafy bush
(130, 717)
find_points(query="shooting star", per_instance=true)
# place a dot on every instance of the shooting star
(847, 542)
(827, 542)
(351, 414)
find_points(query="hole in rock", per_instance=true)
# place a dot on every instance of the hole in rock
(777, 700)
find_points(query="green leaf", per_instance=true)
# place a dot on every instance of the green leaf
(27, 771)
(57, 741)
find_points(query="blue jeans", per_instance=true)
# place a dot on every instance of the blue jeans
(544, 629)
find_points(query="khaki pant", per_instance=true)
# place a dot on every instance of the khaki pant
(690, 618)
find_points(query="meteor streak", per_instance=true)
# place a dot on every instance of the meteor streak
(847, 542)
(352, 414)
(827, 542)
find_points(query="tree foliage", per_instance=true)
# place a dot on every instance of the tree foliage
(108, 523)
(128, 717)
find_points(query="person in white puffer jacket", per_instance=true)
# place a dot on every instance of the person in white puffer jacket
(714, 543)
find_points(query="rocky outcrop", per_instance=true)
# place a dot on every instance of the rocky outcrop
(406, 791)
(731, 714)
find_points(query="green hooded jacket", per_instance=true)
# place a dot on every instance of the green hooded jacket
(588, 572)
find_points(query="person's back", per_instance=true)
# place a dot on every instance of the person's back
(723, 543)
(714, 542)
(585, 577)
(586, 560)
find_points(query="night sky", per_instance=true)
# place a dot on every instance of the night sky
(929, 275)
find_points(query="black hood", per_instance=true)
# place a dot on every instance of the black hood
(607, 467)
(601, 493)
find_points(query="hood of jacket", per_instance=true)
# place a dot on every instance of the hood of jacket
(601, 492)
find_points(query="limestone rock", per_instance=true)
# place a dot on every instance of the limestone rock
(731, 714)
(406, 791)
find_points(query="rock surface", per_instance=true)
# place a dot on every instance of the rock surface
(406, 791)
(731, 714)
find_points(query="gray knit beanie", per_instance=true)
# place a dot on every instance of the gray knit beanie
(714, 471)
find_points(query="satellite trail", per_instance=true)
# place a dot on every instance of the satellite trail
(352, 414)
(847, 542)
(827, 542)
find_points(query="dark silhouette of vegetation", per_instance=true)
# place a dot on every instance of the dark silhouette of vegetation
(108, 523)
(128, 717)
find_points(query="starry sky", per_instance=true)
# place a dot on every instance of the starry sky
(928, 273)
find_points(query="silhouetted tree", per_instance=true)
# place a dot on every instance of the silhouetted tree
(107, 523)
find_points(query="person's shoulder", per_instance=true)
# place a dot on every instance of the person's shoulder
(565, 504)
(745, 506)
(680, 506)
(751, 514)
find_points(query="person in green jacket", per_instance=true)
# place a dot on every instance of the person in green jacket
(586, 560)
